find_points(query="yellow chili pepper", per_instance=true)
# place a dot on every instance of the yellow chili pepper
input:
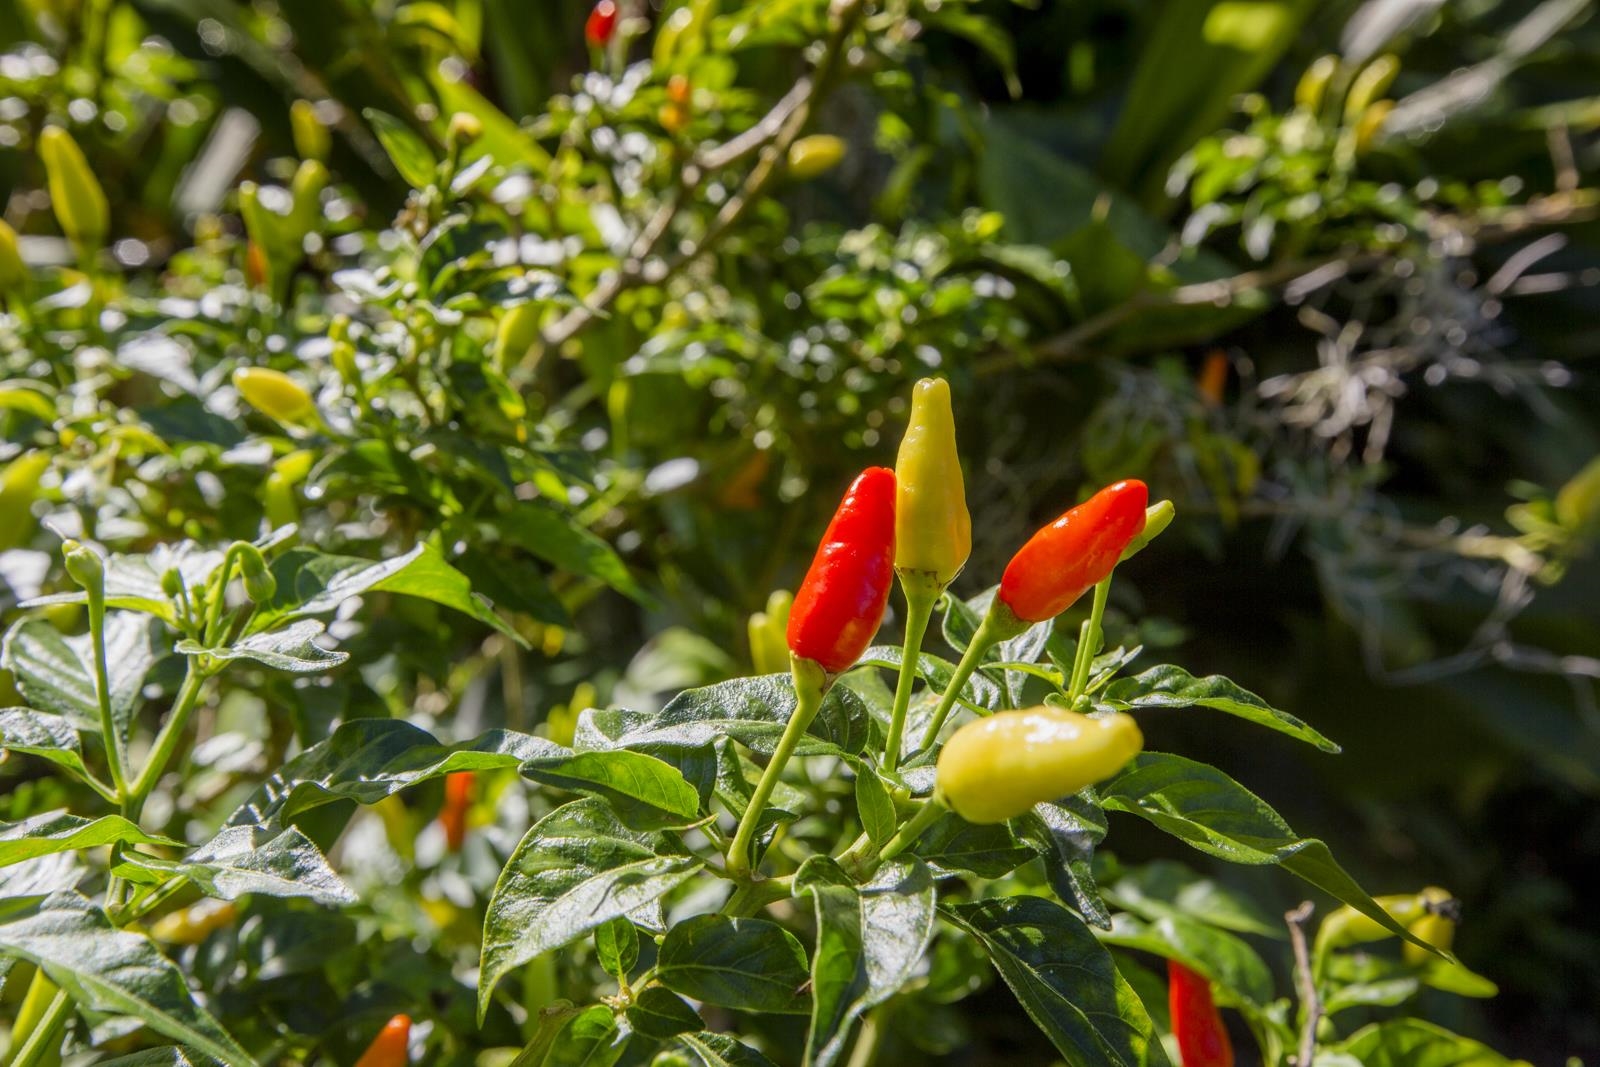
(810, 157)
(769, 648)
(1436, 925)
(1346, 926)
(1371, 83)
(1370, 125)
(933, 529)
(311, 138)
(75, 193)
(193, 925)
(999, 767)
(1308, 92)
(13, 271)
(1578, 501)
(273, 393)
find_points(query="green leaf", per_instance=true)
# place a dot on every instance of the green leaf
(590, 1039)
(1415, 1043)
(559, 540)
(292, 648)
(368, 759)
(748, 964)
(314, 583)
(720, 1050)
(38, 733)
(1210, 811)
(243, 859)
(108, 970)
(57, 831)
(1165, 887)
(577, 868)
(1168, 686)
(660, 1013)
(408, 152)
(875, 807)
(1064, 979)
(56, 673)
(1066, 834)
(171, 1056)
(752, 711)
(1218, 955)
(647, 793)
(870, 942)
(616, 944)
(955, 846)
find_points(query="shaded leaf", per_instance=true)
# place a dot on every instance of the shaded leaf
(1168, 686)
(660, 1013)
(748, 964)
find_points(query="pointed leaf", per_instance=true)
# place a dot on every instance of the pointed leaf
(748, 964)
(57, 831)
(38, 733)
(1168, 686)
(647, 793)
(243, 859)
(292, 648)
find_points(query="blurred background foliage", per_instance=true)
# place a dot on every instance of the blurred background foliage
(1327, 275)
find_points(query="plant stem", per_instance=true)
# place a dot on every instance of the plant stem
(920, 599)
(913, 828)
(45, 1037)
(998, 625)
(167, 738)
(753, 896)
(809, 688)
(102, 687)
(867, 1042)
(1089, 640)
(1310, 1005)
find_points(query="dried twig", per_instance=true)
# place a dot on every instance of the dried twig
(1310, 1005)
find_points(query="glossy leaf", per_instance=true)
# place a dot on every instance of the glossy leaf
(558, 540)
(38, 733)
(1066, 834)
(646, 792)
(109, 970)
(1164, 887)
(660, 1013)
(57, 831)
(870, 942)
(1417, 1043)
(748, 964)
(1168, 686)
(577, 868)
(242, 860)
(616, 945)
(720, 1050)
(292, 648)
(589, 1039)
(1064, 979)
(1210, 811)
(874, 807)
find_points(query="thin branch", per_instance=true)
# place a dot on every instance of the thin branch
(1310, 1005)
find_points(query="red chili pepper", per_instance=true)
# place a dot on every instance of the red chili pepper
(840, 604)
(457, 799)
(1196, 1023)
(1073, 554)
(388, 1049)
(602, 24)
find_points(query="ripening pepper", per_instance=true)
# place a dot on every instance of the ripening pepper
(1073, 554)
(1196, 1022)
(13, 271)
(842, 599)
(75, 193)
(932, 527)
(193, 925)
(999, 767)
(813, 156)
(273, 393)
(388, 1049)
(601, 25)
(1346, 926)
(457, 801)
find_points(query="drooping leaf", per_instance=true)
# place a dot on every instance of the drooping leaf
(1168, 686)
(109, 970)
(1064, 979)
(577, 868)
(290, 648)
(1202, 806)
(748, 964)
(244, 859)
(38, 733)
(368, 759)
(558, 540)
(57, 831)
(870, 941)
(1066, 834)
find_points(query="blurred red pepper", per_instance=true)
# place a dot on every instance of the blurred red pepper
(841, 602)
(1073, 554)
(1196, 1022)
(388, 1049)
(602, 24)
(457, 799)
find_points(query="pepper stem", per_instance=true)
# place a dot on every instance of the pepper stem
(810, 683)
(907, 835)
(1089, 640)
(998, 625)
(922, 593)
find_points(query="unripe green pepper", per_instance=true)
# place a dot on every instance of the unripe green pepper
(516, 335)
(311, 138)
(310, 178)
(259, 584)
(999, 767)
(769, 651)
(813, 156)
(273, 393)
(75, 193)
(1157, 517)
(85, 567)
(932, 527)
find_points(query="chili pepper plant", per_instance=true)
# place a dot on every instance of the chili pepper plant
(749, 874)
